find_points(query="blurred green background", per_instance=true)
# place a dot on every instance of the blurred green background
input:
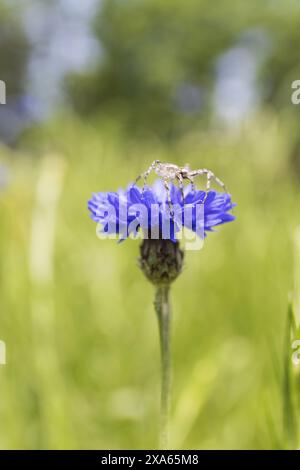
(95, 92)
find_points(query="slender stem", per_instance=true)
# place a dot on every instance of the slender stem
(163, 310)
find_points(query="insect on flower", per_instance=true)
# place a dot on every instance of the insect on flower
(170, 172)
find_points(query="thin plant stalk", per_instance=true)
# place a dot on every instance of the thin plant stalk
(163, 311)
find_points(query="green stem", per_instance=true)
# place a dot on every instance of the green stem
(163, 310)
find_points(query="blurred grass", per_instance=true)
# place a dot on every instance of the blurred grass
(76, 314)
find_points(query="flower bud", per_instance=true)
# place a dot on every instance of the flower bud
(161, 260)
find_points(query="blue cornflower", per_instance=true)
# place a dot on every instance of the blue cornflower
(160, 215)
(126, 212)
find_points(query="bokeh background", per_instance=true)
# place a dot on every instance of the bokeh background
(96, 90)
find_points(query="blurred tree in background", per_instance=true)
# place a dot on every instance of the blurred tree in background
(14, 50)
(161, 66)
(158, 63)
(14, 56)
(160, 60)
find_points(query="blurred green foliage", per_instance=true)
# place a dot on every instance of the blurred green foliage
(77, 314)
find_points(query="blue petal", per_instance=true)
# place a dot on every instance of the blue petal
(217, 207)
